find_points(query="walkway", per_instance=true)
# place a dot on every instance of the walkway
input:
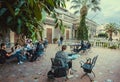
(107, 68)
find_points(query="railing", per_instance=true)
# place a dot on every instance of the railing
(105, 44)
(95, 43)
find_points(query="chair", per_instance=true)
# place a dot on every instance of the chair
(88, 66)
(58, 68)
(57, 62)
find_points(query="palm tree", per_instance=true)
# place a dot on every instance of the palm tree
(82, 7)
(110, 29)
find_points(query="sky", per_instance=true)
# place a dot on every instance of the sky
(110, 12)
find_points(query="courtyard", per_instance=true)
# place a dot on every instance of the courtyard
(55, 21)
(106, 68)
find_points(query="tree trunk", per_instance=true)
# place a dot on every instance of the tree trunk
(110, 36)
(83, 11)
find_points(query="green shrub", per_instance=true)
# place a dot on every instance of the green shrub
(103, 35)
(55, 40)
(113, 47)
(105, 45)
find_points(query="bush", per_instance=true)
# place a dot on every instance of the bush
(103, 35)
(113, 47)
(55, 40)
(105, 45)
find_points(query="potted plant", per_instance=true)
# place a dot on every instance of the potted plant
(55, 40)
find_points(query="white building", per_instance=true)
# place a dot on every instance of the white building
(71, 23)
(92, 27)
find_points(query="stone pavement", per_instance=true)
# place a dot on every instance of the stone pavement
(107, 68)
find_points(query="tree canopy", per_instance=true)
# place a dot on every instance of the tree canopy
(26, 17)
(111, 28)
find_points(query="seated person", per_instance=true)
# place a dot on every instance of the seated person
(45, 43)
(16, 48)
(29, 49)
(40, 48)
(88, 45)
(64, 56)
(83, 46)
(39, 51)
(10, 54)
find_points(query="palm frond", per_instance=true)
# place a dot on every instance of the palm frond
(75, 1)
(98, 8)
(111, 27)
(95, 2)
(95, 8)
(89, 5)
(76, 12)
(63, 4)
(118, 30)
(75, 6)
(46, 8)
(10, 8)
(80, 1)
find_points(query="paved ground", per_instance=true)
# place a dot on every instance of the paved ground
(107, 68)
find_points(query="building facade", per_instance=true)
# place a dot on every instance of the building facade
(70, 21)
(92, 27)
(50, 32)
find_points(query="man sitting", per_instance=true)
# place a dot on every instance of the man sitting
(29, 49)
(38, 52)
(64, 56)
(45, 43)
(88, 45)
(7, 55)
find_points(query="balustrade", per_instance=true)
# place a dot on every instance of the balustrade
(94, 43)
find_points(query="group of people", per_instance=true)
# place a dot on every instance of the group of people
(28, 52)
(83, 46)
(62, 54)
(32, 51)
